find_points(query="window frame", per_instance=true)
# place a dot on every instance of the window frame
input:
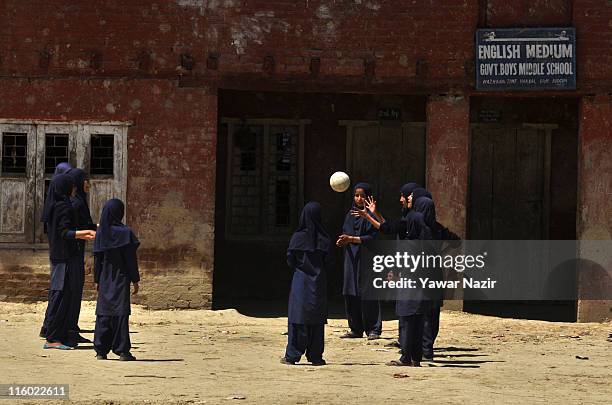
(266, 123)
(79, 151)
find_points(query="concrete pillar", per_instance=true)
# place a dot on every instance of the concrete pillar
(448, 134)
(594, 216)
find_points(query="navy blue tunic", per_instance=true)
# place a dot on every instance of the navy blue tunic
(419, 302)
(355, 226)
(308, 296)
(308, 255)
(114, 270)
(115, 262)
(62, 231)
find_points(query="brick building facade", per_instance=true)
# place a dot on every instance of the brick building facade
(175, 89)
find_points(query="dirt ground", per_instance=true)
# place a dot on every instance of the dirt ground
(226, 357)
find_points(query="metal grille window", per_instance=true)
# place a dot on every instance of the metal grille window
(282, 175)
(102, 152)
(14, 153)
(56, 151)
(246, 179)
(264, 192)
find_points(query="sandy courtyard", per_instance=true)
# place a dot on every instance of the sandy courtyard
(225, 357)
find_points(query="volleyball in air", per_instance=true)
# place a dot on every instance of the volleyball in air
(339, 182)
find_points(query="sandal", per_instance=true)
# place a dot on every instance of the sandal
(351, 335)
(398, 363)
(59, 347)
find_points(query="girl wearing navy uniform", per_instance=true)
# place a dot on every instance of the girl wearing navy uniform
(308, 254)
(63, 254)
(115, 268)
(362, 315)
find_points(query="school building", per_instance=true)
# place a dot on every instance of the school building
(215, 120)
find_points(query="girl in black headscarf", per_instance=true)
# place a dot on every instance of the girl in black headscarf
(81, 206)
(63, 254)
(61, 168)
(426, 206)
(308, 254)
(115, 267)
(362, 315)
(411, 307)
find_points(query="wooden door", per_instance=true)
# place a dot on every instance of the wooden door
(510, 173)
(55, 143)
(386, 156)
(17, 182)
(101, 151)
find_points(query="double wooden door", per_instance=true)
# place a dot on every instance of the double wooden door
(510, 182)
(386, 156)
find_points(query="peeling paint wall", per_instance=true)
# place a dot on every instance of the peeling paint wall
(448, 158)
(595, 198)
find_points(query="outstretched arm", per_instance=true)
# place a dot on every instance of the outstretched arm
(363, 213)
(371, 206)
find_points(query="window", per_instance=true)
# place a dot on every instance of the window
(264, 185)
(56, 151)
(14, 152)
(30, 152)
(102, 153)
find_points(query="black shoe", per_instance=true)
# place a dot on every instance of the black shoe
(101, 357)
(81, 339)
(126, 357)
(319, 363)
(286, 361)
(373, 336)
(351, 335)
(398, 363)
(393, 344)
(416, 363)
(43, 333)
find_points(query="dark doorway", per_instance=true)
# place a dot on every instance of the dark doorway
(510, 182)
(523, 184)
(276, 151)
(387, 155)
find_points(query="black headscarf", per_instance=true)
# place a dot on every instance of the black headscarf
(408, 188)
(418, 193)
(310, 235)
(79, 176)
(356, 226)
(367, 189)
(426, 207)
(62, 168)
(405, 191)
(112, 233)
(416, 228)
(61, 217)
(61, 185)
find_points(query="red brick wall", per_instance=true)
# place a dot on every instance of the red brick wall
(171, 174)
(416, 45)
(528, 13)
(595, 204)
(448, 121)
(97, 58)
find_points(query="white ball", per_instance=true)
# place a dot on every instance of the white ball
(339, 182)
